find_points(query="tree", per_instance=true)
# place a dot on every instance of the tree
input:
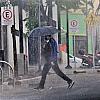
(71, 4)
(31, 20)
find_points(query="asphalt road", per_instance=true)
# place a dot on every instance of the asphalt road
(87, 87)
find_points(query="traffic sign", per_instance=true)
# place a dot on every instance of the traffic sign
(7, 16)
(73, 26)
(73, 23)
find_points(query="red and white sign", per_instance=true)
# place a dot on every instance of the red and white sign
(73, 23)
(6, 16)
(73, 26)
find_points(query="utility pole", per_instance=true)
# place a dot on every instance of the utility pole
(20, 25)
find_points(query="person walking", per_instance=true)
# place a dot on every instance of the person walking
(50, 55)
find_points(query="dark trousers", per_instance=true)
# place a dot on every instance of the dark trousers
(56, 68)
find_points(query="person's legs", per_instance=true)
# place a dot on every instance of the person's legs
(62, 75)
(45, 71)
(56, 68)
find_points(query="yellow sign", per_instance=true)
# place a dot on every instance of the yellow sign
(92, 19)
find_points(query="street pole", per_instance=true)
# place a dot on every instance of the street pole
(67, 41)
(59, 28)
(59, 24)
(20, 25)
(14, 51)
(0, 31)
(14, 46)
(39, 13)
(86, 29)
(49, 3)
(1, 43)
(39, 39)
(93, 44)
(74, 51)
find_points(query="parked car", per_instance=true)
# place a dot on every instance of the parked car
(78, 61)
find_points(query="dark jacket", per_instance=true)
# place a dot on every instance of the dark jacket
(53, 50)
(50, 50)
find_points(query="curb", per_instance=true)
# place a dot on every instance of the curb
(98, 70)
(79, 71)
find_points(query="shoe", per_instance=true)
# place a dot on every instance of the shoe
(70, 85)
(39, 88)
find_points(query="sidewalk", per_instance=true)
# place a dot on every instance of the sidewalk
(32, 72)
(35, 76)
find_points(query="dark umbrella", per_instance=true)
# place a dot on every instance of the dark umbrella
(42, 31)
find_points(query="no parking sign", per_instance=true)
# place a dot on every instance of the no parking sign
(7, 16)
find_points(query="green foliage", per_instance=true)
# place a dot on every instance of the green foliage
(70, 4)
(13, 2)
(32, 21)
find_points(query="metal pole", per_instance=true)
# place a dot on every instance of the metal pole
(39, 13)
(67, 41)
(39, 39)
(93, 44)
(49, 3)
(20, 25)
(86, 29)
(59, 28)
(14, 47)
(74, 51)
(1, 41)
(1, 75)
(59, 24)
(0, 32)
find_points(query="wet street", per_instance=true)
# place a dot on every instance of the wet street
(87, 87)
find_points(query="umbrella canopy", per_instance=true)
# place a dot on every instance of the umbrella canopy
(42, 31)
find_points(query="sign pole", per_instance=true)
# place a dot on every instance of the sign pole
(14, 47)
(74, 28)
(20, 25)
(67, 41)
(39, 39)
(74, 51)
